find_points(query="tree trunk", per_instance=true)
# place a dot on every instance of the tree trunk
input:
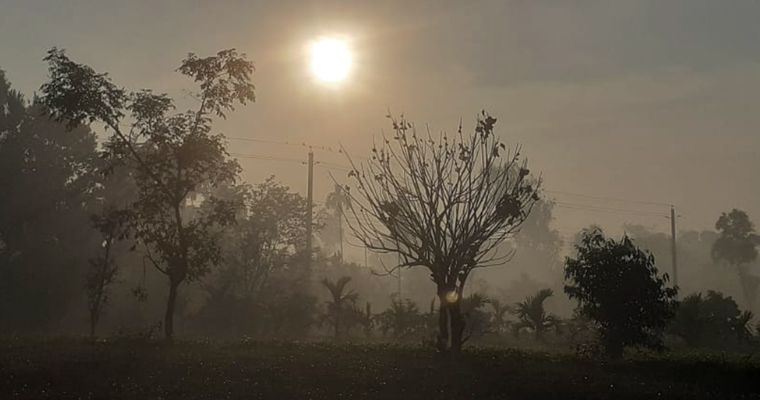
(457, 326)
(169, 316)
(442, 342)
(93, 322)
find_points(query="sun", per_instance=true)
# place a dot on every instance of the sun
(331, 59)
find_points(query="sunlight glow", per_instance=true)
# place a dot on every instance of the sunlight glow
(330, 59)
(452, 297)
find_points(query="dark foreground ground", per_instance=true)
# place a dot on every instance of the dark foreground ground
(69, 369)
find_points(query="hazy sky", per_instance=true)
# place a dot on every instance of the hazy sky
(647, 100)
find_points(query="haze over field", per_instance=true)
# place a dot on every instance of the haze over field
(643, 100)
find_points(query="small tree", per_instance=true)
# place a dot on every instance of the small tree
(736, 245)
(444, 204)
(341, 312)
(532, 315)
(103, 268)
(617, 286)
(175, 156)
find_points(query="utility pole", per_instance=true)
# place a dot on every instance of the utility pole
(310, 211)
(673, 243)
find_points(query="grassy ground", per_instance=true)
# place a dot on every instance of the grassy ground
(70, 369)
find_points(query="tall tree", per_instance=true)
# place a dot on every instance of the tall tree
(337, 201)
(175, 156)
(737, 246)
(47, 181)
(441, 203)
(267, 234)
(617, 285)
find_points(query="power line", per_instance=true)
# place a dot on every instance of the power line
(608, 198)
(560, 204)
(286, 143)
(586, 207)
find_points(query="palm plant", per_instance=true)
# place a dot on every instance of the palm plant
(477, 319)
(341, 308)
(402, 319)
(499, 320)
(532, 315)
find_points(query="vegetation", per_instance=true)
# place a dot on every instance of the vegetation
(736, 245)
(174, 156)
(63, 369)
(712, 321)
(532, 315)
(617, 285)
(444, 204)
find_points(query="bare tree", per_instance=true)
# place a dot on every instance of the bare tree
(441, 203)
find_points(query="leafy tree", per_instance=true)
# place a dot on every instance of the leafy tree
(267, 236)
(444, 204)
(341, 312)
(175, 156)
(532, 315)
(712, 320)
(617, 285)
(47, 180)
(736, 245)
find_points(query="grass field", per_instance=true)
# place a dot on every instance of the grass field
(71, 369)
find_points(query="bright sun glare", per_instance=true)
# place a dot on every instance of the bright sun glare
(330, 60)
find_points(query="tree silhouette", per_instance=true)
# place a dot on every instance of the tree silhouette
(617, 286)
(265, 237)
(532, 315)
(444, 204)
(103, 268)
(47, 180)
(736, 245)
(175, 156)
(711, 320)
(337, 201)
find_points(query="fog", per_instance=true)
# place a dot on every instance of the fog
(478, 169)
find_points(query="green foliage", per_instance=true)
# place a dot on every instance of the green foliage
(532, 315)
(737, 241)
(713, 321)
(47, 187)
(175, 157)
(617, 285)
(736, 245)
(341, 314)
(477, 318)
(269, 232)
(402, 320)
